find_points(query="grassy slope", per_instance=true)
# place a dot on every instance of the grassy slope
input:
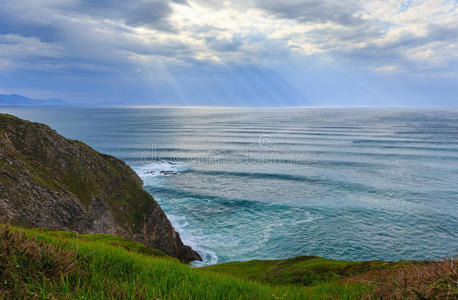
(303, 270)
(48, 264)
(384, 280)
(101, 267)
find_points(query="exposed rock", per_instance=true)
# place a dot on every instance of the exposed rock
(49, 181)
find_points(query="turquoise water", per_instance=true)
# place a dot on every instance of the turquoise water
(241, 184)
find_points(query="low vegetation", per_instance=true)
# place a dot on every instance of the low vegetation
(303, 270)
(435, 280)
(48, 264)
(384, 280)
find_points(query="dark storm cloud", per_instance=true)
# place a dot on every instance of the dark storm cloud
(134, 13)
(46, 20)
(46, 33)
(11, 23)
(321, 11)
(337, 11)
(79, 29)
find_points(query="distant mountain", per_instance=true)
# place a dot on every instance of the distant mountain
(15, 99)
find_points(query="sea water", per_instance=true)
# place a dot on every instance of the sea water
(260, 183)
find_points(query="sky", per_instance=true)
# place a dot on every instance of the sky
(232, 53)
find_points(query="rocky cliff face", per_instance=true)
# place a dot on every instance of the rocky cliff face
(49, 181)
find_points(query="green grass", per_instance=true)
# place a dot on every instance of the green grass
(304, 270)
(64, 265)
(95, 240)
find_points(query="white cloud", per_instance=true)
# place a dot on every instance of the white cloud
(387, 69)
(383, 35)
(19, 52)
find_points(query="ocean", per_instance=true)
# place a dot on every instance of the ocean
(264, 183)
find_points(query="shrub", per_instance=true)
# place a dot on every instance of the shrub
(25, 262)
(433, 280)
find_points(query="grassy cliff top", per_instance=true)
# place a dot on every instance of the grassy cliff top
(48, 264)
(66, 266)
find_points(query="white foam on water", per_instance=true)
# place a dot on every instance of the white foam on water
(306, 218)
(194, 239)
(160, 168)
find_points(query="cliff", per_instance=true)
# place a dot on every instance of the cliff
(49, 181)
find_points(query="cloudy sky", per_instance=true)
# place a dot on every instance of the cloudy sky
(239, 52)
